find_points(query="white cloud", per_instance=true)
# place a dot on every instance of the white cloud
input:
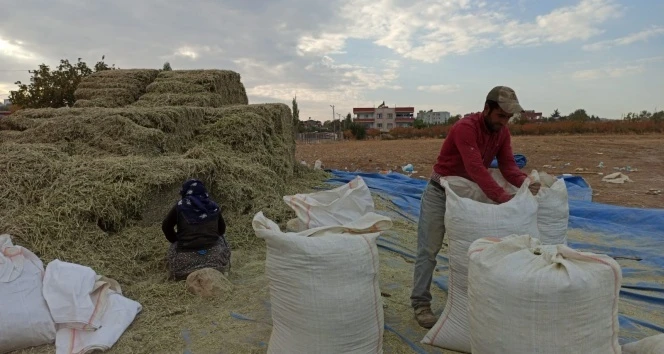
(641, 36)
(563, 24)
(194, 52)
(322, 50)
(325, 44)
(15, 50)
(429, 30)
(5, 87)
(608, 72)
(439, 88)
(250, 67)
(348, 83)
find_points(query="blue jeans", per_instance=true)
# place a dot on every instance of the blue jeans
(430, 233)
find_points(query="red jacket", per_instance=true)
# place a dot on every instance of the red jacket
(468, 151)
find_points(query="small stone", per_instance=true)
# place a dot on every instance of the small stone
(208, 283)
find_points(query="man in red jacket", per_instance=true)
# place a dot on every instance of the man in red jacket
(468, 150)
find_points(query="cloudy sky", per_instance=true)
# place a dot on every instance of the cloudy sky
(606, 56)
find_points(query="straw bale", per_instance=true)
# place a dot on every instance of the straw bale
(92, 93)
(121, 131)
(202, 88)
(145, 76)
(113, 88)
(115, 158)
(91, 186)
(173, 86)
(217, 78)
(202, 99)
(262, 130)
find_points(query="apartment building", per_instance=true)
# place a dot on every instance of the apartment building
(383, 117)
(431, 117)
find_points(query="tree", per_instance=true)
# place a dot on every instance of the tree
(296, 113)
(555, 114)
(579, 115)
(358, 131)
(348, 121)
(53, 88)
(167, 67)
(419, 124)
(645, 115)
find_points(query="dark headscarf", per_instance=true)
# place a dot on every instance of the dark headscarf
(196, 205)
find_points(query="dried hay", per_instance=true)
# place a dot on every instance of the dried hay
(135, 258)
(121, 131)
(199, 88)
(89, 186)
(263, 131)
(181, 99)
(113, 88)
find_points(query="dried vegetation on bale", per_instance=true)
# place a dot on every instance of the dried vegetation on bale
(199, 88)
(113, 88)
(91, 186)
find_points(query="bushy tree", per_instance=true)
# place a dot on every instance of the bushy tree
(358, 131)
(54, 88)
(297, 126)
(419, 124)
(167, 67)
(348, 121)
(579, 115)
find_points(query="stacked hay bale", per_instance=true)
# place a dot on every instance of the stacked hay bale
(91, 185)
(113, 88)
(102, 131)
(92, 170)
(199, 88)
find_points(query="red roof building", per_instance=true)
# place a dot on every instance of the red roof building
(384, 118)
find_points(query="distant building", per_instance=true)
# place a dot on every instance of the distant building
(7, 102)
(384, 118)
(531, 115)
(310, 123)
(431, 117)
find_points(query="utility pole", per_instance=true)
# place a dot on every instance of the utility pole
(333, 127)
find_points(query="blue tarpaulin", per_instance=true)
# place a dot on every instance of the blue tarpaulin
(520, 160)
(633, 236)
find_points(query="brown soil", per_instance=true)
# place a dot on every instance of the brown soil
(642, 152)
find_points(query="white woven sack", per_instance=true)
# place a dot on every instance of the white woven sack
(324, 287)
(650, 345)
(337, 206)
(552, 200)
(525, 297)
(467, 220)
(25, 320)
(553, 210)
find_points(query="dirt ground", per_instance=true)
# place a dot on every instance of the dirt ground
(561, 154)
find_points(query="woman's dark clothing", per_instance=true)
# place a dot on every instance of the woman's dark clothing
(192, 236)
(199, 241)
(184, 262)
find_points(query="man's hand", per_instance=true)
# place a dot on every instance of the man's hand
(534, 188)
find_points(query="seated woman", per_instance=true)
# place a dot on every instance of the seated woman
(199, 241)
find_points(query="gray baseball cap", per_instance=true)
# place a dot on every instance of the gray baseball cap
(506, 99)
